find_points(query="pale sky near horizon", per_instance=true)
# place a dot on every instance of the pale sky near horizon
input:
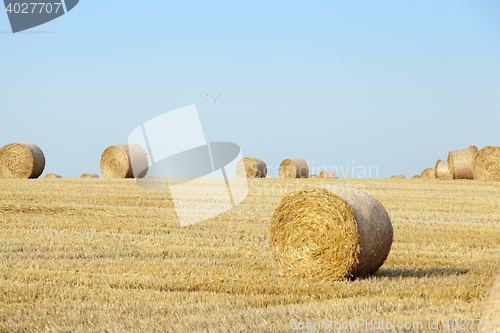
(392, 85)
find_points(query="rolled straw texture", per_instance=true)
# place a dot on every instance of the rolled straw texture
(313, 176)
(460, 163)
(52, 176)
(491, 308)
(90, 175)
(441, 169)
(293, 168)
(398, 176)
(251, 167)
(486, 164)
(428, 173)
(330, 174)
(330, 233)
(21, 160)
(117, 161)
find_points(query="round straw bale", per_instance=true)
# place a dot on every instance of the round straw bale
(486, 164)
(460, 163)
(90, 175)
(491, 308)
(52, 176)
(117, 161)
(400, 176)
(251, 167)
(416, 177)
(21, 160)
(293, 168)
(313, 176)
(330, 174)
(330, 233)
(428, 173)
(441, 169)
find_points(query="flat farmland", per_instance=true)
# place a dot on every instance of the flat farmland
(102, 255)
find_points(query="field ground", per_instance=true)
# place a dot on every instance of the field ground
(107, 256)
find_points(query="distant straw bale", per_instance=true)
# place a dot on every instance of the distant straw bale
(441, 169)
(460, 163)
(52, 176)
(330, 174)
(90, 175)
(400, 176)
(120, 161)
(293, 168)
(21, 160)
(330, 233)
(416, 177)
(251, 167)
(491, 308)
(486, 164)
(313, 176)
(428, 173)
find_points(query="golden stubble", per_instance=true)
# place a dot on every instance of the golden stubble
(105, 255)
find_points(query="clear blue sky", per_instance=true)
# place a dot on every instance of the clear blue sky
(392, 84)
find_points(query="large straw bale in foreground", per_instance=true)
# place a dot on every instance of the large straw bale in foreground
(52, 176)
(330, 233)
(460, 163)
(428, 173)
(251, 167)
(400, 176)
(486, 164)
(441, 169)
(330, 174)
(117, 161)
(293, 168)
(90, 175)
(21, 160)
(491, 308)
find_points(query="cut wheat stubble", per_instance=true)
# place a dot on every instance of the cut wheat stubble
(491, 309)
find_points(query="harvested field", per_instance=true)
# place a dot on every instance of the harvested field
(109, 256)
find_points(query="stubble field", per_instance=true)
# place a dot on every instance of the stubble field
(103, 255)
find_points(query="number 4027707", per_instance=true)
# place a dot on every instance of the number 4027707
(33, 8)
